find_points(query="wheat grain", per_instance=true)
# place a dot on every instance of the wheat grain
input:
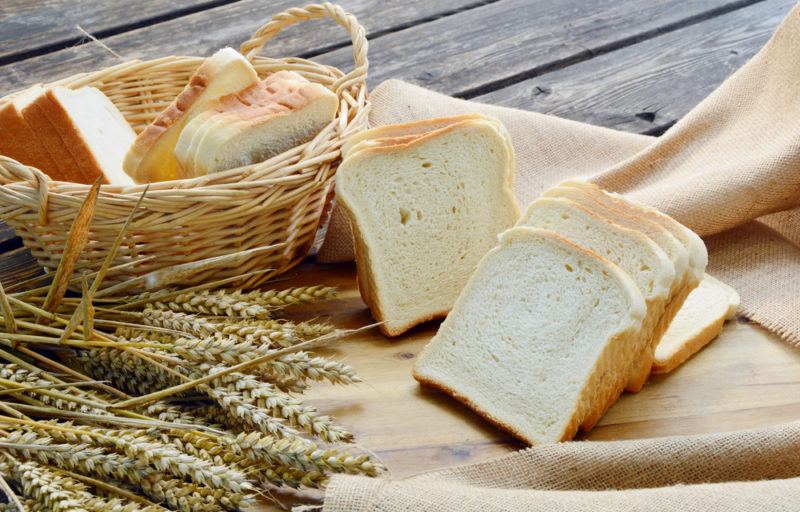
(283, 298)
(87, 459)
(214, 304)
(14, 373)
(264, 396)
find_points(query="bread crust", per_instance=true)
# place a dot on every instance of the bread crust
(690, 348)
(18, 141)
(86, 166)
(367, 283)
(36, 116)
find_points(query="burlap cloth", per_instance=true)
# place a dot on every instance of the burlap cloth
(730, 170)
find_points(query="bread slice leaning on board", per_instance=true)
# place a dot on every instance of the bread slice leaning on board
(253, 125)
(699, 321)
(541, 325)
(424, 211)
(152, 156)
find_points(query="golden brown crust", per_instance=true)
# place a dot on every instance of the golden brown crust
(86, 166)
(431, 383)
(35, 114)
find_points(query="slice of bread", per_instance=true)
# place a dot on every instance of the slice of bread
(698, 321)
(636, 254)
(151, 157)
(35, 115)
(17, 138)
(423, 215)
(599, 203)
(265, 120)
(540, 326)
(93, 130)
(696, 252)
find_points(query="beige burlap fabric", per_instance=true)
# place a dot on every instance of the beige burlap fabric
(747, 471)
(724, 170)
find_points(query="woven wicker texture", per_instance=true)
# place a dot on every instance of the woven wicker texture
(277, 203)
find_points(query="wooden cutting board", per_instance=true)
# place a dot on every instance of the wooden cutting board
(746, 378)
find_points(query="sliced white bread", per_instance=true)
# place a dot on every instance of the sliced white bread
(698, 321)
(152, 156)
(696, 250)
(636, 254)
(17, 138)
(93, 130)
(410, 128)
(674, 249)
(36, 116)
(423, 214)
(540, 326)
(269, 118)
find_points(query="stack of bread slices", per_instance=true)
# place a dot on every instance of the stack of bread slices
(71, 135)
(226, 117)
(566, 313)
(427, 201)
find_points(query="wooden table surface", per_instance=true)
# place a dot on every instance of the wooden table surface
(634, 65)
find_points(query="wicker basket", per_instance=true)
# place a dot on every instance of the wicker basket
(276, 205)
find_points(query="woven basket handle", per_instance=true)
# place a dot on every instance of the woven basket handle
(253, 46)
(12, 171)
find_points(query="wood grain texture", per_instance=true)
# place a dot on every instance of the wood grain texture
(650, 85)
(30, 26)
(745, 378)
(509, 39)
(204, 32)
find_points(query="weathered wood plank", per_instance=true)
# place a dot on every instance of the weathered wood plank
(31, 27)
(204, 32)
(18, 265)
(508, 40)
(648, 86)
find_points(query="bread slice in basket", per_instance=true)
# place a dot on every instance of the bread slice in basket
(262, 121)
(698, 321)
(17, 138)
(542, 324)
(423, 213)
(151, 157)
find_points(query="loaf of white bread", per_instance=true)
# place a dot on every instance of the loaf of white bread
(546, 336)
(71, 135)
(226, 117)
(427, 201)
